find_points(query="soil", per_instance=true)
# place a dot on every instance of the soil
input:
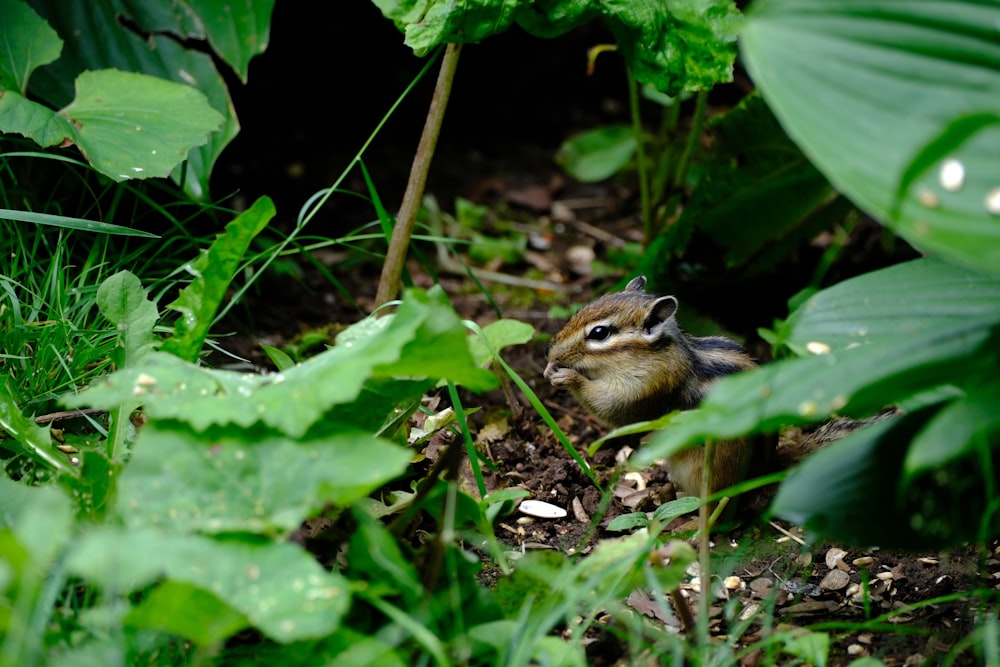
(499, 156)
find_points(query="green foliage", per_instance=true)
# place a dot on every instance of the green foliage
(127, 64)
(599, 153)
(686, 45)
(213, 271)
(879, 97)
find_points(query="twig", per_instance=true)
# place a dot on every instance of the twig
(395, 258)
(787, 534)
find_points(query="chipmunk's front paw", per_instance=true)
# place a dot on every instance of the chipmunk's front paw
(562, 377)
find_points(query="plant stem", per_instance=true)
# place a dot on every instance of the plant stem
(704, 557)
(388, 284)
(701, 104)
(640, 156)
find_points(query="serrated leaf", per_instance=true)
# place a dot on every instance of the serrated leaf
(281, 589)
(840, 77)
(26, 43)
(675, 46)
(424, 340)
(213, 272)
(597, 154)
(248, 482)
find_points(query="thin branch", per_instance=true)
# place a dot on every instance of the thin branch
(395, 258)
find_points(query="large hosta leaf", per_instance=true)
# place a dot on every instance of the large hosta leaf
(880, 94)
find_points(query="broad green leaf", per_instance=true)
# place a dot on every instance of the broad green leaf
(124, 302)
(960, 429)
(669, 511)
(281, 589)
(72, 223)
(98, 36)
(26, 43)
(41, 518)
(877, 94)
(213, 271)
(137, 126)
(597, 154)
(28, 437)
(901, 301)
(424, 339)
(239, 481)
(187, 610)
(237, 32)
(834, 492)
(855, 382)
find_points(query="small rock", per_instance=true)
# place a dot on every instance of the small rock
(541, 510)
(834, 557)
(578, 512)
(761, 585)
(835, 580)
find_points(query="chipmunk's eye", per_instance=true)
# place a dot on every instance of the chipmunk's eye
(600, 332)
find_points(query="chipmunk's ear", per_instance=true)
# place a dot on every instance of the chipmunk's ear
(637, 284)
(659, 313)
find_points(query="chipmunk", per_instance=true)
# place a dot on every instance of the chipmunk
(625, 360)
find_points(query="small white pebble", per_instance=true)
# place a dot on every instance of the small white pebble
(541, 510)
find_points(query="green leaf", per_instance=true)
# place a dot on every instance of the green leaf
(628, 522)
(278, 357)
(72, 223)
(877, 93)
(597, 154)
(188, 611)
(123, 301)
(238, 481)
(669, 511)
(423, 340)
(958, 430)
(898, 302)
(137, 126)
(213, 272)
(813, 647)
(29, 438)
(40, 518)
(237, 32)
(281, 589)
(834, 492)
(495, 336)
(99, 36)
(26, 43)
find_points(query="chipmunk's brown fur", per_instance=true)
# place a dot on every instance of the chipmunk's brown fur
(626, 360)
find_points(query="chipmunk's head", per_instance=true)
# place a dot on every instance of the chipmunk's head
(618, 351)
